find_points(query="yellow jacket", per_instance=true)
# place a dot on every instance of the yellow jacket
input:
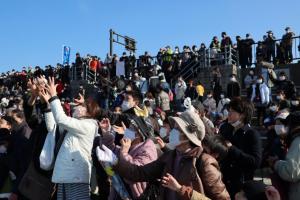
(200, 90)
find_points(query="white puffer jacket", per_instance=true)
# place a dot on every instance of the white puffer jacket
(264, 93)
(73, 163)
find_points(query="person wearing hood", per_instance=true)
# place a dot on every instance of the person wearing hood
(245, 148)
(288, 168)
(178, 165)
(233, 87)
(261, 98)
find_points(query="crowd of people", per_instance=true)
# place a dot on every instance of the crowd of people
(269, 49)
(139, 139)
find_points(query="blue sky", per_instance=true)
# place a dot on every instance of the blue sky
(33, 31)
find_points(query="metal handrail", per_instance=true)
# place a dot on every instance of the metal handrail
(295, 50)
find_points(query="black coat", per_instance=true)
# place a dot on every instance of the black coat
(191, 92)
(21, 153)
(4, 169)
(233, 89)
(243, 158)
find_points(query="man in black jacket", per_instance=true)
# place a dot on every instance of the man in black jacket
(245, 150)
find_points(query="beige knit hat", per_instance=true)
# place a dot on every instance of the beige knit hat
(191, 125)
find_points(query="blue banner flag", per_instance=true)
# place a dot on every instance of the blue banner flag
(66, 55)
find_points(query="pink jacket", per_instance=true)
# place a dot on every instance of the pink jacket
(141, 154)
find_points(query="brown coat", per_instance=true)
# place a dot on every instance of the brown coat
(151, 172)
(212, 178)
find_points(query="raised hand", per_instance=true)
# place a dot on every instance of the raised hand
(80, 100)
(105, 125)
(272, 193)
(170, 182)
(160, 142)
(32, 87)
(125, 145)
(44, 95)
(120, 129)
(51, 87)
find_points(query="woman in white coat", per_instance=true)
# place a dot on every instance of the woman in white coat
(260, 97)
(72, 168)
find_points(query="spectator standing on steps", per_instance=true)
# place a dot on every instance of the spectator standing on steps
(233, 87)
(287, 43)
(249, 80)
(270, 46)
(248, 42)
(180, 88)
(261, 98)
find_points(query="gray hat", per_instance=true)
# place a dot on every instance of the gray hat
(191, 125)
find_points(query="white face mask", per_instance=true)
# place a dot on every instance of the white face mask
(209, 96)
(163, 132)
(174, 138)
(222, 96)
(281, 130)
(281, 78)
(236, 124)
(126, 106)
(259, 81)
(278, 97)
(273, 108)
(295, 103)
(3, 149)
(233, 79)
(129, 134)
(160, 122)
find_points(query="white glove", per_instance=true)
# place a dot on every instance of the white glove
(106, 155)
